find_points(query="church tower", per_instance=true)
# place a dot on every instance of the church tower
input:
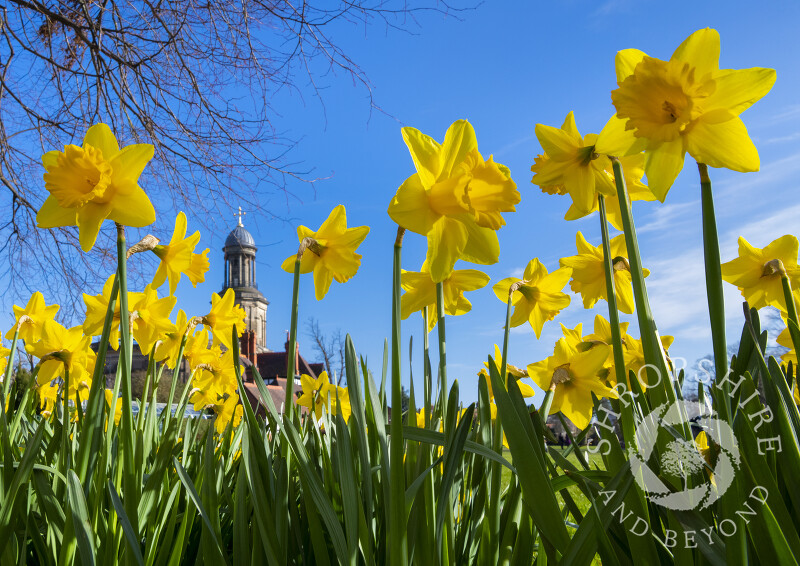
(240, 275)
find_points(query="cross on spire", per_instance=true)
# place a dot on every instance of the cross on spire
(239, 215)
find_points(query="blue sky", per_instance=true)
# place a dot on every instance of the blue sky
(505, 67)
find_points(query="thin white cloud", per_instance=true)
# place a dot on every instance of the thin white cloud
(666, 216)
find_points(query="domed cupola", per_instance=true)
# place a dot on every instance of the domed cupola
(240, 275)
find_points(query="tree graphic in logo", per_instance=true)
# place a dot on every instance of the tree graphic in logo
(673, 476)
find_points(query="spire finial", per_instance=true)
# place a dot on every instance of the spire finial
(239, 215)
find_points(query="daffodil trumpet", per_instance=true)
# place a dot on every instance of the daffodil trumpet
(716, 299)
(613, 314)
(657, 367)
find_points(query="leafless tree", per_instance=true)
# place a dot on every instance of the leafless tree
(330, 348)
(194, 78)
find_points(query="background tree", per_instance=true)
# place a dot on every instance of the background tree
(330, 348)
(195, 79)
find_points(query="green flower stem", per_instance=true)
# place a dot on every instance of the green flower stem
(9, 367)
(497, 445)
(131, 490)
(291, 352)
(92, 431)
(651, 344)
(175, 376)
(65, 421)
(791, 311)
(613, 312)
(442, 349)
(398, 537)
(716, 301)
(426, 361)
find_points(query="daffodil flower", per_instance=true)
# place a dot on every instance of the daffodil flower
(168, 348)
(176, 257)
(61, 348)
(95, 182)
(757, 272)
(48, 397)
(512, 372)
(570, 161)
(588, 273)
(785, 339)
(538, 297)
(602, 333)
(333, 253)
(420, 292)
(197, 351)
(109, 394)
(227, 411)
(686, 104)
(151, 318)
(96, 307)
(35, 313)
(320, 392)
(215, 379)
(224, 314)
(455, 198)
(633, 354)
(633, 171)
(572, 373)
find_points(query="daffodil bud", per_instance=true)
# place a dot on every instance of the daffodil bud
(147, 243)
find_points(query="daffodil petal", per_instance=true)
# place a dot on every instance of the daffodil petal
(557, 144)
(131, 161)
(101, 137)
(458, 142)
(51, 215)
(425, 153)
(701, 50)
(614, 139)
(625, 62)
(446, 240)
(132, 208)
(482, 245)
(663, 166)
(738, 89)
(723, 145)
(322, 282)
(89, 219)
(410, 207)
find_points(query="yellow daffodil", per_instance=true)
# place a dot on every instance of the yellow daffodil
(109, 393)
(197, 349)
(686, 104)
(95, 182)
(198, 268)
(757, 271)
(633, 354)
(150, 319)
(493, 416)
(215, 379)
(633, 171)
(420, 292)
(539, 297)
(320, 392)
(588, 273)
(36, 312)
(227, 411)
(573, 371)
(4, 352)
(455, 198)
(63, 348)
(168, 348)
(602, 333)
(223, 316)
(785, 340)
(176, 257)
(48, 397)
(512, 372)
(570, 161)
(333, 256)
(96, 307)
